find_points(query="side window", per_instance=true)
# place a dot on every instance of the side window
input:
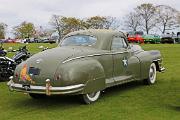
(118, 43)
(124, 43)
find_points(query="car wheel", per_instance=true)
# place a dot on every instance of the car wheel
(91, 97)
(37, 96)
(152, 75)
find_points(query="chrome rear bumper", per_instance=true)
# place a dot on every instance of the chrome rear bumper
(44, 89)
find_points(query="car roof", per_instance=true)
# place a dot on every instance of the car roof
(104, 36)
(97, 32)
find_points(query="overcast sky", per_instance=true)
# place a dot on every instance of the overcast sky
(13, 12)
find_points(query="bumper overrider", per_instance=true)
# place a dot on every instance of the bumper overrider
(48, 89)
(162, 69)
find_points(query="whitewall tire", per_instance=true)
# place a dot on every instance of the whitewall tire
(91, 97)
(152, 75)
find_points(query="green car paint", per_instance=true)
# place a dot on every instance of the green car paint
(151, 39)
(85, 68)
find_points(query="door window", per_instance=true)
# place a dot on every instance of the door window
(118, 43)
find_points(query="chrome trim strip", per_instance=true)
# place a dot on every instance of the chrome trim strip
(114, 53)
(92, 56)
(110, 80)
(73, 59)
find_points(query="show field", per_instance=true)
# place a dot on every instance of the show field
(132, 101)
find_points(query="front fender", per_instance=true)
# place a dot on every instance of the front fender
(145, 61)
(87, 71)
(146, 58)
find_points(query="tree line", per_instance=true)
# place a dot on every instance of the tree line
(144, 17)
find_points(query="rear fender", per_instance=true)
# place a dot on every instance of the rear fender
(85, 71)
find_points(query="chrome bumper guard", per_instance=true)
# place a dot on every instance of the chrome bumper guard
(48, 90)
(162, 69)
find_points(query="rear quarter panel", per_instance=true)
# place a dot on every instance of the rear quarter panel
(86, 71)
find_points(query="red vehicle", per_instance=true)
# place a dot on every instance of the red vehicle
(10, 41)
(135, 37)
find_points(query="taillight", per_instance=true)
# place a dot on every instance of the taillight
(16, 75)
(57, 77)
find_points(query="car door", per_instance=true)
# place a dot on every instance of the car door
(125, 65)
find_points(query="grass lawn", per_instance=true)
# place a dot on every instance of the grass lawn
(132, 101)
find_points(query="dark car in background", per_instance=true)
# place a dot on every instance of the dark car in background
(10, 41)
(168, 38)
(177, 38)
(31, 40)
(48, 41)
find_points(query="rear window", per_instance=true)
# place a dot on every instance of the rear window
(79, 40)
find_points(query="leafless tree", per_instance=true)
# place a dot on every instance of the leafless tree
(43, 32)
(132, 21)
(3, 27)
(167, 17)
(57, 24)
(147, 13)
(112, 23)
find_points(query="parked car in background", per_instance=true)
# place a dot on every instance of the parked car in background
(168, 38)
(31, 40)
(151, 38)
(2, 40)
(85, 63)
(19, 41)
(47, 40)
(177, 39)
(10, 41)
(135, 37)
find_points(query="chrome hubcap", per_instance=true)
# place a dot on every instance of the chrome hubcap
(151, 74)
(93, 96)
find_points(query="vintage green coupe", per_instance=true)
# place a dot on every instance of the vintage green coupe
(151, 38)
(85, 63)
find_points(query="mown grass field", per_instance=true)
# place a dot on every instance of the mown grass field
(132, 101)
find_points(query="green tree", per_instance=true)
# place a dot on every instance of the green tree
(102, 22)
(96, 22)
(2, 30)
(64, 25)
(72, 24)
(24, 30)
